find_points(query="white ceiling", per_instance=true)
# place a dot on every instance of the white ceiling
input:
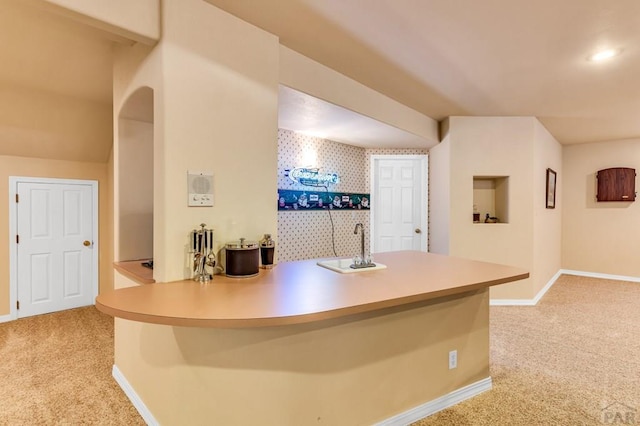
(306, 114)
(469, 57)
(440, 57)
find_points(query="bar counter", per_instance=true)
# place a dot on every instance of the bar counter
(301, 292)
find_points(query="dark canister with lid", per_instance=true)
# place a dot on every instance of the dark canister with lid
(242, 260)
(267, 249)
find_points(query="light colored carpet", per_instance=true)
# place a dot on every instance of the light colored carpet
(55, 369)
(574, 359)
(571, 360)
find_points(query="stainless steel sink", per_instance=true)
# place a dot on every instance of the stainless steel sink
(343, 266)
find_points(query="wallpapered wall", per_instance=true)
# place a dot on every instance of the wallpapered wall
(307, 234)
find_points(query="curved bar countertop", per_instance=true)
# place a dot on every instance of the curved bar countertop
(300, 292)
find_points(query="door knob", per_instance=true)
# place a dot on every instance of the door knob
(86, 243)
(418, 231)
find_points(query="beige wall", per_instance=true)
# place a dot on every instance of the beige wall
(220, 108)
(38, 123)
(487, 146)
(440, 196)
(35, 167)
(601, 237)
(517, 147)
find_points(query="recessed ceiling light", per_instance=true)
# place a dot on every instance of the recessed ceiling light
(604, 55)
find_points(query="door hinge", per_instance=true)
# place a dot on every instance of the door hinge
(17, 239)
(18, 304)
(17, 198)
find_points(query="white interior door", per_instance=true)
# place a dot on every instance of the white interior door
(55, 247)
(399, 203)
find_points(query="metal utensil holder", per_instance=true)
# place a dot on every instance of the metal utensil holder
(204, 258)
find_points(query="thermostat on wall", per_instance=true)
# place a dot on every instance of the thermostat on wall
(200, 189)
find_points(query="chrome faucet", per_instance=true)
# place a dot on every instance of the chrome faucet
(355, 231)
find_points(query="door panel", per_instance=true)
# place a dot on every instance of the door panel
(41, 277)
(407, 205)
(40, 214)
(72, 274)
(55, 269)
(386, 205)
(72, 213)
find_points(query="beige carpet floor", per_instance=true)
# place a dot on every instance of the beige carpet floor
(573, 359)
(55, 369)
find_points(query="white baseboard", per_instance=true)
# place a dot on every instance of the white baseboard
(599, 275)
(438, 404)
(512, 302)
(547, 286)
(133, 397)
(6, 318)
(535, 300)
(528, 302)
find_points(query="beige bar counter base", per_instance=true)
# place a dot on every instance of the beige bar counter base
(333, 351)
(402, 419)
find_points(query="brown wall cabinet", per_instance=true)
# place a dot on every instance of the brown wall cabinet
(616, 184)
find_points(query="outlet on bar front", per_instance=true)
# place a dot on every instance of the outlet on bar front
(453, 359)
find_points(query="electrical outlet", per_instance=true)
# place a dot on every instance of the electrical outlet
(453, 359)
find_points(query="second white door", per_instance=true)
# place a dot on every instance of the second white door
(54, 247)
(399, 203)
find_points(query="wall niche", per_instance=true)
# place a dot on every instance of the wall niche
(491, 199)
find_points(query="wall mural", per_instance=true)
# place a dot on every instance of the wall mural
(321, 200)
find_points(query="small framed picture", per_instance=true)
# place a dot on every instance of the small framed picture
(551, 189)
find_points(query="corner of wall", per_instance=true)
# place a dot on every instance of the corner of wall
(108, 239)
(440, 197)
(443, 128)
